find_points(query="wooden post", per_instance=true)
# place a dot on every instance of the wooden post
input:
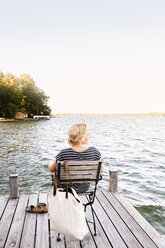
(113, 181)
(14, 194)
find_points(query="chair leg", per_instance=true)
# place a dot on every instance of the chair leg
(58, 238)
(94, 223)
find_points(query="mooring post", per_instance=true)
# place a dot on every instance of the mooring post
(14, 194)
(113, 181)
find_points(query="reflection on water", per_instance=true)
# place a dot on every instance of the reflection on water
(133, 146)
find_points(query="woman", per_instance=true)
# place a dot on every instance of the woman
(79, 150)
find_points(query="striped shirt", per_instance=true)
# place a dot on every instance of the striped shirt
(91, 154)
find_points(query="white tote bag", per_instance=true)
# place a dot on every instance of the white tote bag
(67, 214)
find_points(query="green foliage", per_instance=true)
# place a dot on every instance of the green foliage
(10, 110)
(21, 94)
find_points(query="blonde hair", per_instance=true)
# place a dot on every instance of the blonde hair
(77, 133)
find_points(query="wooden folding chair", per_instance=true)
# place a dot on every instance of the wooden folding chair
(81, 172)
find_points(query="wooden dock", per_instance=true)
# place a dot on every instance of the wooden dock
(118, 223)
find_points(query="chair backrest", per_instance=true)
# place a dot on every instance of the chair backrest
(80, 171)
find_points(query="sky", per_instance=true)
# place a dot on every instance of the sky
(89, 56)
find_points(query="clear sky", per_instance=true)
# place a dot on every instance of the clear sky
(89, 56)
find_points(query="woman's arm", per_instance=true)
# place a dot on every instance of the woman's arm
(52, 165)
(102, 168)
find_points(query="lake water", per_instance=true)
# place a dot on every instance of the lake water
(135, 146)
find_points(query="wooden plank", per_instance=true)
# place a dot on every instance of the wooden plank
(6, 220)
(78, 177)
(28, 235)
(81, 163)
(111, 233)
(88, 240)
(54, 242)
(3, 202)
(75, 181)
(80, 168)
(85, 172)
(130, 222)
(124, 231)
(72, 243)
(151, 232)
(42, 235)
(14, 236)
(100, 240)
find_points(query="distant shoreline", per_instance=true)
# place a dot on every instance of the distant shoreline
(5, 120)
(97, 115)
(124, 114)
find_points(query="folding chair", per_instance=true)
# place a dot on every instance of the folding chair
(81, 172)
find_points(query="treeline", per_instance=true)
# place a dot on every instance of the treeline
(21, 93)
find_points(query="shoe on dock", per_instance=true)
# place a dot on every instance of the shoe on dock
(41, 208)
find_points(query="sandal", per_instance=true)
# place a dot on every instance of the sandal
(41, 204)
(41, 208)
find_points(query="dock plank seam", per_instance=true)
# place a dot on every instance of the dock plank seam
(11, 220)
(42, 226)
(103, 229)
(112, 222)
(100, 229)
(35, 238)
(91, 234)
(145, 240)
(85, 198)
(28, 235)
(89, 219)
(126, 225)
(122, 227)
(23, 223)
(113, 241)
(137, 221)
(15, 233)
(4, 207)
(143, 223)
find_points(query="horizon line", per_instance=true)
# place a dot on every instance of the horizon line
(110, 114)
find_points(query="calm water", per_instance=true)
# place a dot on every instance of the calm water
(132, 145)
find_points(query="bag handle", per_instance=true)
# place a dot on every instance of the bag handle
(67, 173)
(57, 181)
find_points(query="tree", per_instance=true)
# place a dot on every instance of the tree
(10, 110)
(34, 100)
(21, 93)
(9, 95)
